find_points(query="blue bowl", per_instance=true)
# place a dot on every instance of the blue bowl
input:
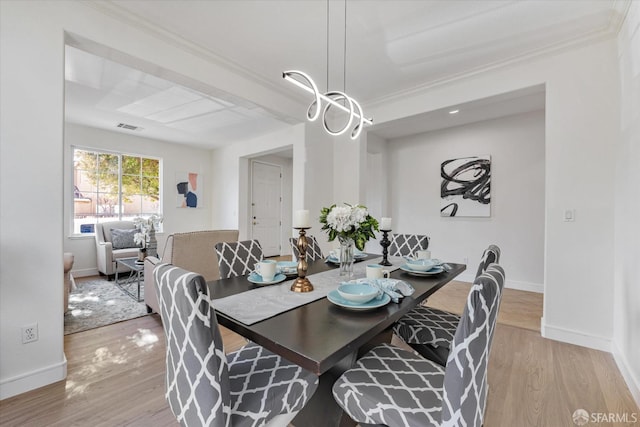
(421, 264)
(357, 292)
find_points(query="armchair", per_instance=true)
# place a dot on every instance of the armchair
(69, 284)
(192, 251)
(106, 253)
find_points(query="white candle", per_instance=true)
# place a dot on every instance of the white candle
(385, 224)
(301, 219)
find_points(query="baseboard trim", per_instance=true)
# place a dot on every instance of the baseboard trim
(625, 369)
(34, 379)
(511, 284)
(85, 272)
(525, 286)
(574, 337)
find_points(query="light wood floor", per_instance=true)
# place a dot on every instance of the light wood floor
(518, 308)
(116, 375)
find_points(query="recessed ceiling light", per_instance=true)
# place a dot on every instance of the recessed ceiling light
(454, 111)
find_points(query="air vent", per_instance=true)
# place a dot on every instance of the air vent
(128, 127)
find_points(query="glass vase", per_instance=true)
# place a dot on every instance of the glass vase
(152, 246)
(142, 254)
(346, 256)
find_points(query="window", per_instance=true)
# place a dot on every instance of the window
(113, 186)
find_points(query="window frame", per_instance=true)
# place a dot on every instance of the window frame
(120, 214)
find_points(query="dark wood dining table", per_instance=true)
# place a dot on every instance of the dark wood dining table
(326, 339)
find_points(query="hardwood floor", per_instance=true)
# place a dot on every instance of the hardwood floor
(518, 308)
(116, 375)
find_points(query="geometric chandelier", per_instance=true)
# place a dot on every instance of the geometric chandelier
(331, 99)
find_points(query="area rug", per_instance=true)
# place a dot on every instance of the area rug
(98, 302)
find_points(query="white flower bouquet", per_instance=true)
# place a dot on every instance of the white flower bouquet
(349, 222)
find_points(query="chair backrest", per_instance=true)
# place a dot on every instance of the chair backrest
(465, 378)
(197, 375)
(489, 256)
(313, 248)
(407, 244)
(195, 251)
(238, 258)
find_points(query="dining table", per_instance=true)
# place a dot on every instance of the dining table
(318, 335)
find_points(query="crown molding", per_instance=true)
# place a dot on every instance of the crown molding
(107, 8)
(583, 40)
(618, 15)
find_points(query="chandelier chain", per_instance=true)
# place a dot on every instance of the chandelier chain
(344, 59)
(327, 45)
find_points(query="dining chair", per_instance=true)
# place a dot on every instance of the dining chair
(313, 248)
(205, 387)
(429, 331)
(407, 244)
(393, 387)
(238, 258)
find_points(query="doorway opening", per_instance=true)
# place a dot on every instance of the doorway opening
(269, 201)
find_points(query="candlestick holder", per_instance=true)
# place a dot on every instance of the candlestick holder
(385, 244)
(302, 284)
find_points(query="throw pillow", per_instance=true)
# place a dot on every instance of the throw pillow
(122, 239)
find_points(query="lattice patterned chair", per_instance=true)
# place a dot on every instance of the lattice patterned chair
(397, 388)
(238, 258)
(313, 248)
(407, 244)
(430, 331)
(205, 387)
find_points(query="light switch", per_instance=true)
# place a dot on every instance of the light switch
(569, 215)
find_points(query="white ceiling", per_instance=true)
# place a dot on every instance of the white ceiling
(392, 48)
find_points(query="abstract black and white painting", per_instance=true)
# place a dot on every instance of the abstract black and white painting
(466, 187)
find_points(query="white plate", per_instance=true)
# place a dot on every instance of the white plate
(335, 298)
(288, 268)
(257, 279)
(435, 270)
(358, 257)
(435, 260)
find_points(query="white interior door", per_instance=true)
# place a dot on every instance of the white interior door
(266, 206)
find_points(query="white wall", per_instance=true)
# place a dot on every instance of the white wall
(32, 37)
(319, 170)
(230, 175)
(312, 176)
(581, 125)
(175, 158)
(31, 128)
(627, 211)
(516, 225)
(377, 185)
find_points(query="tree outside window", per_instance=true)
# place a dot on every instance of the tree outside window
(113, 186)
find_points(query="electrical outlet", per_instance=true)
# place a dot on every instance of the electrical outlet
(569, 215)
(29, 333)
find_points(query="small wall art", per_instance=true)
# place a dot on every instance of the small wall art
(465, 190)
(189, 190)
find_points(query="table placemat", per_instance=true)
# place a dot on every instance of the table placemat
(262, 303)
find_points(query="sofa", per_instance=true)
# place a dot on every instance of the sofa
(67, 279)
(192, 251)
(107, 252)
